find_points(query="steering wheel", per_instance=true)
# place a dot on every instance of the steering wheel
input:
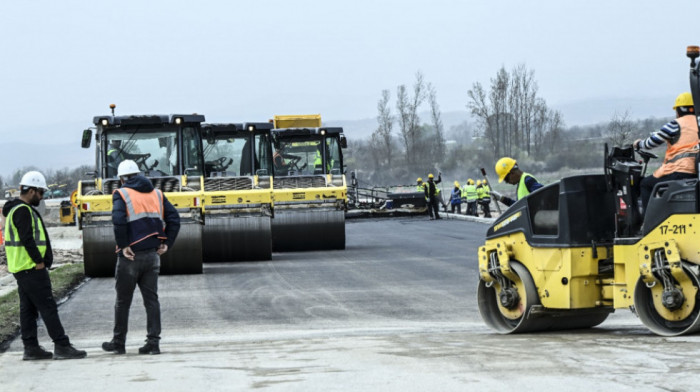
(141, 160)
(646, 155)
(294, 164)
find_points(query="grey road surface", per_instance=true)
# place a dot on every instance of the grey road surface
(395, 311)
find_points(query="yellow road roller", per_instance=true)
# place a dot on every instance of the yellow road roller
(572, 252)
(309, 187)
(237, 193)
(168, 150)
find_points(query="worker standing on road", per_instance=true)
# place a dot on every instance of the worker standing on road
(29, 257)
(508, 170)
(483, 192)
(432, 193)
(471, 197)
(420, 187)
(456, 198)
(681, 137)
(138, 214)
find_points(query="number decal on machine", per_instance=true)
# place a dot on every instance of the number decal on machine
(672, 229)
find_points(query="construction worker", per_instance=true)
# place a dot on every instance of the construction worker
(681, 137)
(483, 193)
(471, 197)
(29, 257)
(508, 171)
(138, 214)
(456, 198)
(432, 192)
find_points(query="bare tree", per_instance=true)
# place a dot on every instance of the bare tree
(408, 117)
(620, 129)
(480, 108)
(436, 116)
(382, 137)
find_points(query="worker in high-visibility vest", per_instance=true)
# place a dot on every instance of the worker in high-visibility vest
(145, 227)
(470, 195)
(484, 194)
(456, 198)
(29, 257)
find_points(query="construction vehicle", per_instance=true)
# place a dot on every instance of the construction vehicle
(570, 253)
(168, 150)
(309, 187)
(66, 213)
(237, 194)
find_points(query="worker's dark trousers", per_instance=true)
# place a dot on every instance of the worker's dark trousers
(434, 207)
(35, 297)
(471, 208)
(485, 206)
(459, 208)
(648, 182)
(142, 271)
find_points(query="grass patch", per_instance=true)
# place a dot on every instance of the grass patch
(63, 280)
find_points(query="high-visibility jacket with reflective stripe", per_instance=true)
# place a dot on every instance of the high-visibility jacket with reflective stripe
(484, 193)
(470, 193)
(680, 154)
(144, 214)
(17, 257)
(522, 188)
(421, 188)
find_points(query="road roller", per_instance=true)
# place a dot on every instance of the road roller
(570, 253)
(237, 193)
(309, 187)
(168, 150)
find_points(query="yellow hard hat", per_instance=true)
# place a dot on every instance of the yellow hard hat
(430, 175)
(478, 182)
(470, 181)
(683, 99)
(457, 184)
(503, 167)
(419, 179)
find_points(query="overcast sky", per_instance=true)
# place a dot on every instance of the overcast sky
(66, 61)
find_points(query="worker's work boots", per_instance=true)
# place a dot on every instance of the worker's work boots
(67, 352)
(150, 348)
(114, 347)
(33, 353)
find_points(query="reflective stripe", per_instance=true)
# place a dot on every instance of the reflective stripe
(681, 156)
(18, 258)
(132, 215)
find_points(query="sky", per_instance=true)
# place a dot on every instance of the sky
(64, 62)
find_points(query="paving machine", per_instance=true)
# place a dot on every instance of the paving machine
(237, 195)
(309, 187)
(572, 252)
(168, 149)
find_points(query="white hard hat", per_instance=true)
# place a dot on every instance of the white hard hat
(127, 167)
(34, 179)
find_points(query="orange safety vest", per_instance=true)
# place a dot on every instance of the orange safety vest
(680, 155)
(144, 214)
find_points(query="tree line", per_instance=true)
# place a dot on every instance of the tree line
(508, 118)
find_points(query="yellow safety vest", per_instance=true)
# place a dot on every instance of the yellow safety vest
(18, 258)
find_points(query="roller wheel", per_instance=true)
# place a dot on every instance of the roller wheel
(237, 238)
(99, 254)
(529, 315)
(508, 320)
(660, 320)
(186, 255)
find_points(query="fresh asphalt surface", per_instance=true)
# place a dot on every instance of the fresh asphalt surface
(395, 311)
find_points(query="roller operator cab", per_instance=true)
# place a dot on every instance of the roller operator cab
(237, 197)
(168, 150)
(572, 252)
(309, 187)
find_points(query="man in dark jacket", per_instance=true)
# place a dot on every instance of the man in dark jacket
(29, 257)
(432, 194)
(138, 214)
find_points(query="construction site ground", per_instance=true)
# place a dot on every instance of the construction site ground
(395, 311)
